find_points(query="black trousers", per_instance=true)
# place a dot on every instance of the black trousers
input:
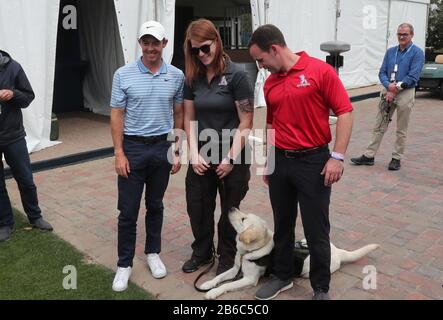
(298, 181)
(201, 193)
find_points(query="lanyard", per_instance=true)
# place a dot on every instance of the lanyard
(401, 58)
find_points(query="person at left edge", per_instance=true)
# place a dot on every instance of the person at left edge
(15, 94)
(146, 104)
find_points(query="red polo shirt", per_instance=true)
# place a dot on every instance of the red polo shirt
(299, 102)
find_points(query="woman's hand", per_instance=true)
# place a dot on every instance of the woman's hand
(199, 165)
(224, 168)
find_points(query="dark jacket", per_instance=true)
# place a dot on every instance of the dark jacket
(12, 77)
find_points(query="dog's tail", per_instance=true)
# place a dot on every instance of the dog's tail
(351, 256)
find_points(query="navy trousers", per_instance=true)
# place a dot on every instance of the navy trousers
(149, 166)
(17, 157)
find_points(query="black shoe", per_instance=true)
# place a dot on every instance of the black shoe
(5, 233)
(272, 288)
(394, 164)
(41, 224)
(194, 263)
(363, 160)
(320, 295)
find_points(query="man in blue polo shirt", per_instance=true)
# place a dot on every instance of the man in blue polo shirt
(399, 75)
(146, 104)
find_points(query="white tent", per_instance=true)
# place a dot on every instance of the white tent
(28, 31)
(369, 26)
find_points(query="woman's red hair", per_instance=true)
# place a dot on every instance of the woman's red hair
(202, 30)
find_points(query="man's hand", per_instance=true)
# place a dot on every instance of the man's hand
(332, 171)
(6, 95)
(393, 88)
(176, 165)
(122, 165)
(389, 97)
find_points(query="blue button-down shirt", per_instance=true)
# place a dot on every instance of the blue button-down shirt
(410, 62)
(148, 98)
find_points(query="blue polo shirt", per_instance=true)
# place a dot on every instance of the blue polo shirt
(148, 98)
(410, 62)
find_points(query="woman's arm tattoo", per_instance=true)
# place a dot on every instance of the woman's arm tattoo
(246, 105)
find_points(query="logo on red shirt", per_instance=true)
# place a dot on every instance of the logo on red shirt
(303, 82)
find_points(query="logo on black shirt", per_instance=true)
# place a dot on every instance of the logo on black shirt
(223, 81)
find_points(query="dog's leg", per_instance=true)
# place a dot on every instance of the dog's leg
(250, 279)
(227, 275)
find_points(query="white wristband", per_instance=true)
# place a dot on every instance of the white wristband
(337, 156)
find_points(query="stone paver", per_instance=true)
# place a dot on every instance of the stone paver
(402, 211)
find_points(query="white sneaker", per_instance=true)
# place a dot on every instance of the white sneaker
(121, 279)
(156, 266)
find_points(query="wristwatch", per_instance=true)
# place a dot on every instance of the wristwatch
(337, 156)
(401, 85)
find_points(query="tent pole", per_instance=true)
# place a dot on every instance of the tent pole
(337, 16)
(154, 9)
(388, 23)
(428, 8)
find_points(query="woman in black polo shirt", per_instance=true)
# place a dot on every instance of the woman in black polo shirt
(218, 117)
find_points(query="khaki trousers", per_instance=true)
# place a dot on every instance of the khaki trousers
(403, 103)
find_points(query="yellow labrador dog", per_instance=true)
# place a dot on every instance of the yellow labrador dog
(254, 246)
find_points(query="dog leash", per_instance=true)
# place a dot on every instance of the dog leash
(214, 256)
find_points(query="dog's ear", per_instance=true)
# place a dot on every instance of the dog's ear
(248, 236)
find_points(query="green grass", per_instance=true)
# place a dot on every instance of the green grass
(31, 267)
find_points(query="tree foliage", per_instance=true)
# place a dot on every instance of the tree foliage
(435, 25)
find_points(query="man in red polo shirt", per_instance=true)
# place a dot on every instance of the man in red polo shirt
(299, 94)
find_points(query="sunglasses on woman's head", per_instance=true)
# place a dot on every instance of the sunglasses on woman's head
(206, 48)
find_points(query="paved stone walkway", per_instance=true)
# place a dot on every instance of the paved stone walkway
(402, 211)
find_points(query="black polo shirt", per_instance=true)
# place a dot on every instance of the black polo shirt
(214, 103)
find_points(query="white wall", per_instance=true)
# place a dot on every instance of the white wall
(305, 23)
(363, 24)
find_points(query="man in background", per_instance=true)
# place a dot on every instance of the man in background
(399, 75)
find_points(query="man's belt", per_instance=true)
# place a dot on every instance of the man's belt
(147, 140)
(302, 152)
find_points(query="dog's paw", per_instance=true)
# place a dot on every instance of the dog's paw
(213, 294)
(208, 285)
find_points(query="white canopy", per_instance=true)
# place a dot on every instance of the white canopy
(28, 31)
